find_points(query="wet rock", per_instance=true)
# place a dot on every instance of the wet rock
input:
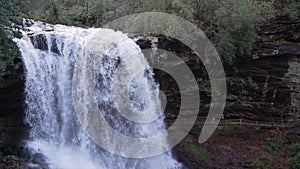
(11, 162)
(273, 66)
(144, 42)
(11, 115)
(11, 100)
(48, 29)
(40, 42)
(40, 159)
(28, 22)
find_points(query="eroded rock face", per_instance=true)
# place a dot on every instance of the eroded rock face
(274, 66)
(293, 81)
(265, 87)
(11, 100)
(11, 111)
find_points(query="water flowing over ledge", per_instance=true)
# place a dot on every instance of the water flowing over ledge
(50, 55)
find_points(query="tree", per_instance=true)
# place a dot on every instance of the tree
(229, 24)
(10, 24)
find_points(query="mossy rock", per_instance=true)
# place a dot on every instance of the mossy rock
(200, 153)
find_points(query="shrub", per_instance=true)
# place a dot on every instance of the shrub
(51, 12)
(229, 24)
(296, 147)
(295, 161)
(273, 144)
(289, 7)
(8, 51)
(10, 21)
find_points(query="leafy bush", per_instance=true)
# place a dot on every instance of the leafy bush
(8, 51)
(295, 161)
(294, 9)
(242, 88)
(273, 144)
(94, 13)
(10, 21)
(51, 12)
(289, 7)
(229, 24)
(296, 147)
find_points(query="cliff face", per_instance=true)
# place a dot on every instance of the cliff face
(274, 66)
(11, 116)
(265, 86)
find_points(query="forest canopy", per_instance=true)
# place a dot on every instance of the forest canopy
(229, 24)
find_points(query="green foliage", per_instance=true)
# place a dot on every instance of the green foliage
(252, 83)
(273, 144)
(295, 161)
(8, 51)
(289, 7)
(94, 12)
(9, 14)
(243, 88)
(294, 9)
(10, 21)
(229, 24)
(51, 12)
(296, 147)
(208, 92)
(75, 16)
(201, 153)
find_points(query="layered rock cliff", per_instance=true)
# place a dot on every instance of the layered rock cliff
(265, 86)
(274, 67)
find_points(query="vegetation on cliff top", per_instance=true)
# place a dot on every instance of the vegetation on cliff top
(229, 24)
(10, 20)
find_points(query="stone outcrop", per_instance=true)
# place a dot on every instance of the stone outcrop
(274, 67)
(12, 129)
(11, 110)
(265, 86)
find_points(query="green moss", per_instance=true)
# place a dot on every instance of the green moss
(234, 129)
(229, 129)
(201, 153)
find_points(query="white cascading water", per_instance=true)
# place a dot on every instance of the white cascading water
(49, 58)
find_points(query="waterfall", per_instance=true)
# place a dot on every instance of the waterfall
(53, 59)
